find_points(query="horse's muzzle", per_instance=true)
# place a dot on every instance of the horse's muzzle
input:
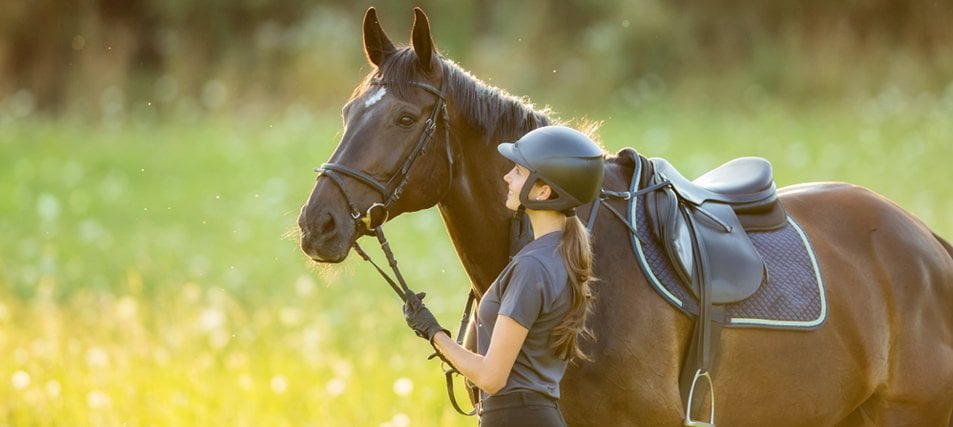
(323, 238)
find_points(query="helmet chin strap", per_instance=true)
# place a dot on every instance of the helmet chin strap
(527, 187)
(547, 204)
(540, 204)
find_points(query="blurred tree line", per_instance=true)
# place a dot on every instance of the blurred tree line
(111, 58)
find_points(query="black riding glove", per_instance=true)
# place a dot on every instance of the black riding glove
(420, 319)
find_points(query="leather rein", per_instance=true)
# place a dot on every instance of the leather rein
(371, 221)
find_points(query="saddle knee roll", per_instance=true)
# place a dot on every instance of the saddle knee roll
(706, 243)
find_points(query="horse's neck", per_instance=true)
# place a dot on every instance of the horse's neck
(474, 210)
(475, 214)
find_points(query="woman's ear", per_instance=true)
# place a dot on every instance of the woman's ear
(543, 192)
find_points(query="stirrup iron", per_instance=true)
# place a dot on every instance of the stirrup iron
(689, 422)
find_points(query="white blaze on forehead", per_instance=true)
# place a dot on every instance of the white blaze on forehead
(375, 97)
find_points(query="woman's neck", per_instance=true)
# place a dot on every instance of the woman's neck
(545, 222)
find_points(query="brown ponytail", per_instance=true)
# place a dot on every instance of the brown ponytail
(577, 254)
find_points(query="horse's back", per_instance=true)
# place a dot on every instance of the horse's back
(889, 283)
(883, 357)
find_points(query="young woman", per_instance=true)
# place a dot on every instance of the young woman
(530, 317)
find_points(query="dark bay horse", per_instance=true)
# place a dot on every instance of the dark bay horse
(420, 131)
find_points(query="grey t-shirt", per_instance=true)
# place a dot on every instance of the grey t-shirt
(533, 289)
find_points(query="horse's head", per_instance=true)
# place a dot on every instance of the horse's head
(395, 154)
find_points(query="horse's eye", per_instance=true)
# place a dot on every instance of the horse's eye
(406, 120)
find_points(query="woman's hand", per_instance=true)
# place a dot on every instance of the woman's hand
(420, 319)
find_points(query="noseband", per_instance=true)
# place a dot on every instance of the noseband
(377, 213)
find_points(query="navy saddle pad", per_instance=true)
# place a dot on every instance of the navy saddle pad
(792, 298)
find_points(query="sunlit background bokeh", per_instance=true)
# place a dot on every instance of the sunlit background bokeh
(154, 155)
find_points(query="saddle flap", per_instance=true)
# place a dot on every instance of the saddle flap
(726, 255)
(706, 243)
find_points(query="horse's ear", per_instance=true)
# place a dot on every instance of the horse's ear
(376, 44)
(421, 41)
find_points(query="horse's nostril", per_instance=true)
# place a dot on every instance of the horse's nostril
(327, 225)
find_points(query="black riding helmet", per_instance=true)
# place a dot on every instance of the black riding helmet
(565, 159)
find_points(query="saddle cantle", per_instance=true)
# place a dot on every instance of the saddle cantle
(702, 225)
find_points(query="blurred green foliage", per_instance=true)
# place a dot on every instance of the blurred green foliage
(106, 58)
(154, 155)
(147, 276)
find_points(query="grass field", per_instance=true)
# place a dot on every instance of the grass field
(147, 276)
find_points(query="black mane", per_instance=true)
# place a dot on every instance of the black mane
(488, 109)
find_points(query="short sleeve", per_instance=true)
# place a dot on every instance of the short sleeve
(522, 298)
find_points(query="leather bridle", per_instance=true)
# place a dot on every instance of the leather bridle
(371, 221)
(391, 190)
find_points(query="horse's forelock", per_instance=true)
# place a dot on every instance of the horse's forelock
(397, 71)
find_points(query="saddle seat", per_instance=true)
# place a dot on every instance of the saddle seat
(746, 184)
